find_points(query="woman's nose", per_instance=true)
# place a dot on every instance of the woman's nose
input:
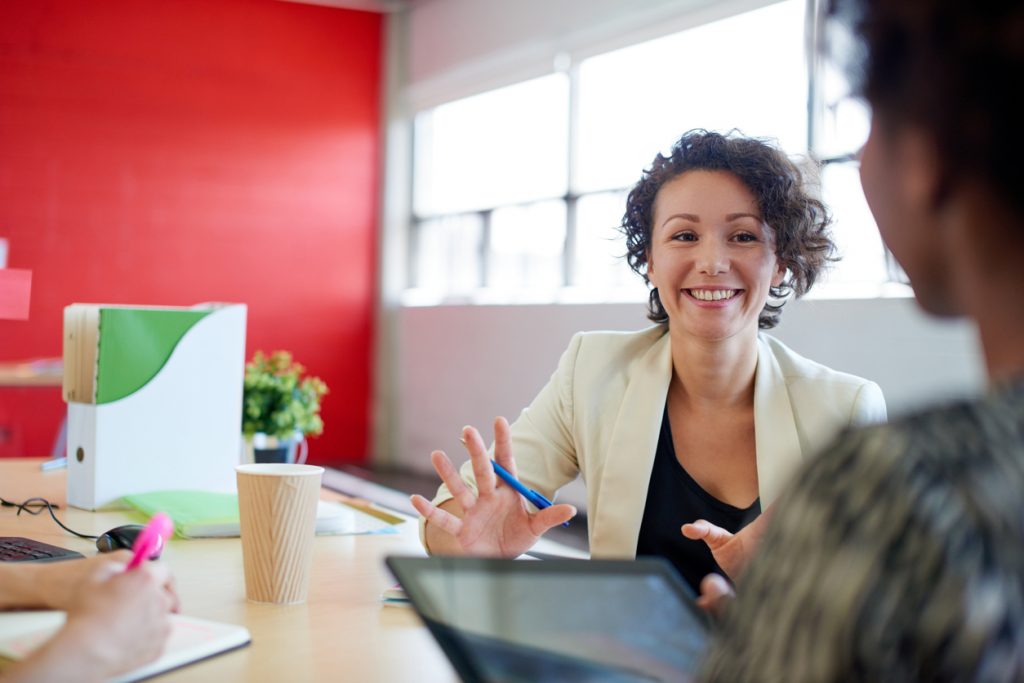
(712, 259)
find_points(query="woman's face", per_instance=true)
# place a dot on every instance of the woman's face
(711, 257)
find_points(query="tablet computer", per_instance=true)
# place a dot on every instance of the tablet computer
(558, 620)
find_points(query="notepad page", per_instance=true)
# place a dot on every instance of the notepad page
(191, 639)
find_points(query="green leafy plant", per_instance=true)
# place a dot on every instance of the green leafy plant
(277, 400)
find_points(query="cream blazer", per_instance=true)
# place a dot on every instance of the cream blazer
(599, 417)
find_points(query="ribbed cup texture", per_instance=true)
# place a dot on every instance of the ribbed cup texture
(278, 525)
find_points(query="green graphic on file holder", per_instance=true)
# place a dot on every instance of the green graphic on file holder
(134, 344)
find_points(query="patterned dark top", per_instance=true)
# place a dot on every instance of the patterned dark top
(898, 555)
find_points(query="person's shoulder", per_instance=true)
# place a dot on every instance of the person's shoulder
(613, 342)
(971, 430)
(796, 367)
(969, 434)
(606, 354)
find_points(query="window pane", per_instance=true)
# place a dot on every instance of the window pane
(855, 232)
(500, 147)
(526, 247)
(447, 255)
(845, 120)
(600, 263)
(746, 72)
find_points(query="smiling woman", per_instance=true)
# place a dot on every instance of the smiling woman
(711, 257)
(753, 181)
(699, 417)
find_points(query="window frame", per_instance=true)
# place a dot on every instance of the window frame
(814, 30)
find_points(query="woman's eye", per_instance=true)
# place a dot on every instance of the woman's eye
(745, 237)
(685, 237)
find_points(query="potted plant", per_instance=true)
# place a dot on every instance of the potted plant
(280, 407)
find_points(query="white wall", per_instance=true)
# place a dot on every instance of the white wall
(459, 365)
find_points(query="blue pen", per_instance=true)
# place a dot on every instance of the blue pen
(537, 500)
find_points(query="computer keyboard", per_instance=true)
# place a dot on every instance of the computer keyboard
(16, 549)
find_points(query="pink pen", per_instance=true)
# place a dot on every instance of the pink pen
(151, 539)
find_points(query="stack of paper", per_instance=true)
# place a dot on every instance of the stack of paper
(203, 514)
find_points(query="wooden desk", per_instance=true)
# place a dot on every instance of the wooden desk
(31, 374)
(342, 633)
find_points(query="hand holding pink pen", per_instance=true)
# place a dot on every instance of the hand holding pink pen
(150, 540)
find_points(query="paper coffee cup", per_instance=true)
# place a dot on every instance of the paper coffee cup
(277, 507)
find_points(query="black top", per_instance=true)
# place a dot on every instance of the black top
(673, 499)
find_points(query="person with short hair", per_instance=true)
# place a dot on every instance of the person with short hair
(898, 554)
(700, 416)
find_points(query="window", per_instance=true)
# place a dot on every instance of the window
(518, 192)
(502, 147)
(843, 125)
(637, 101)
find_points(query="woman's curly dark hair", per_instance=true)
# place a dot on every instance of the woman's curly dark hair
(799, 222)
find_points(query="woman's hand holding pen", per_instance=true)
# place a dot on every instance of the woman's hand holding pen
(131, 609)
(117, 620)
(496, 520)
(57, 585)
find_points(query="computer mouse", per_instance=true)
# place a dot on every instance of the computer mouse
(120, 538)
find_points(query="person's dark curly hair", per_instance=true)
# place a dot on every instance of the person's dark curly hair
(952, 68)
(799, 222)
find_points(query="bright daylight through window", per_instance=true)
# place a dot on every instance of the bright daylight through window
(518, 192)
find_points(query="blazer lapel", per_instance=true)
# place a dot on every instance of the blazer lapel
(776, 441)
(630, 455)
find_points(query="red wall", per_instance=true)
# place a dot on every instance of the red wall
(181, 151)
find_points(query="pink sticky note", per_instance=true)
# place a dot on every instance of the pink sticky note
(15, 288)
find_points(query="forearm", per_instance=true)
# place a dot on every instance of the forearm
(21, 586)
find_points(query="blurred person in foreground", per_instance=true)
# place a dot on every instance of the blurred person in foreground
(899, 553)
(117, 620)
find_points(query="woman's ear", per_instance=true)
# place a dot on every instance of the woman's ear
(650, 264)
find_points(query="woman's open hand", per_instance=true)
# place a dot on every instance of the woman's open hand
(496, 520)
(732, 552)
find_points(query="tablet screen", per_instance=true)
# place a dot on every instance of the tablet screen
(558, 620)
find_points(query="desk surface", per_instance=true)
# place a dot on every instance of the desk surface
(32, 374)
(341, 633)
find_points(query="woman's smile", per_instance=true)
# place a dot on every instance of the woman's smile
(713, 295)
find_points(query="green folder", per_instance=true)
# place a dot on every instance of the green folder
(196, 514)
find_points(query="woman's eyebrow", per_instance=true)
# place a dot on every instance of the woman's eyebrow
(692, 217)
(737, 216)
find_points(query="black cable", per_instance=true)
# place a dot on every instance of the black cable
(28, 506)
(35, 505)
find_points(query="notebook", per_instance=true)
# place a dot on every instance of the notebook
(606, 621)
(191, 640)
